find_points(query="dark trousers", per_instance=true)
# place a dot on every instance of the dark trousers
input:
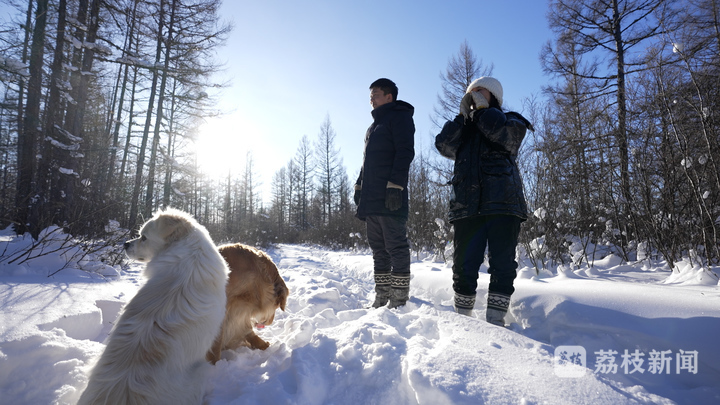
(499, 233)
(387, 237)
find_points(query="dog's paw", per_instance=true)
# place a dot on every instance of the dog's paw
(256, 342)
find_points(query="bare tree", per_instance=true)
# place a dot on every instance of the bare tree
(328, 167)
(27, 29)
(615, 30)
(422, 206)
(47, 167)
(304, 169)
(462, 69)
(152, 163)
(148, 119)
(280, 202)
(28, 139)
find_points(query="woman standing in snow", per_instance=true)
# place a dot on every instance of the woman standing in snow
(488, 204)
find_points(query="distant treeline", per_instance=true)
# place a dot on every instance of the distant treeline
(101, 101)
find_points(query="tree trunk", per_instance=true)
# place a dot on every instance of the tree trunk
(167, 184)
(53, 118)
(64, 175)
(622, 138)
(76, 63)
(21, 83)
(148, 119)
(109, 183)
(159, 116)
(27, 140)
(73, 210)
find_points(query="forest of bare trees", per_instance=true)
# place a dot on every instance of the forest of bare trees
(629, 143)
(101, 101)
(98, 106)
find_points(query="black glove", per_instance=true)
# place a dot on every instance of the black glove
(393, 198)
(356, 197)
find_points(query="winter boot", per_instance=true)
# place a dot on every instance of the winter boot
(464, 304)
(400, 291)
(382, 290)
(497, 306)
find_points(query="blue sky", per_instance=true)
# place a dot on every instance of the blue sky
(292, 63)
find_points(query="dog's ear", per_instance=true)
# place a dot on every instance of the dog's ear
(173, 227)
(281, 294)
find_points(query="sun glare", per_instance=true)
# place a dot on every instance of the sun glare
(224, 145)
(220, 148)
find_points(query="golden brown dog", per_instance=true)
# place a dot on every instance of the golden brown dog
(254, 291)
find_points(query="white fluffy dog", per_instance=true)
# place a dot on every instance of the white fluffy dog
(156, 351)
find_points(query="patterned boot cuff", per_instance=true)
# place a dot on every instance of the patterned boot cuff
(382, 279)
(498, 301)
(464, 301)
(402, 281)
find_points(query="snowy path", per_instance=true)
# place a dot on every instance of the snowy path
(328, 349)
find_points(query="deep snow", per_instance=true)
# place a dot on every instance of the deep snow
(328, 349)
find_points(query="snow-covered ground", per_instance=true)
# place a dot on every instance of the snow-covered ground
(327, 348)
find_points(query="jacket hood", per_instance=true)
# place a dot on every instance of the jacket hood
(404, 105)
(398, 105)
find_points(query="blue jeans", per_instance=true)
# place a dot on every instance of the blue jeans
(499, 233)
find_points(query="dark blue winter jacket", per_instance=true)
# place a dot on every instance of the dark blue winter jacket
(484, 147)
(389, 150)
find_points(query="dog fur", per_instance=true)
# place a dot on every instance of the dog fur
(156, 351)
(254, 291)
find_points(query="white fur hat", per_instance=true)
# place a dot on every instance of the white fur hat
(489, 83)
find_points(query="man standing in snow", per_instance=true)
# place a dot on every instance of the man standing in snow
(381, 192)
(488, 204)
